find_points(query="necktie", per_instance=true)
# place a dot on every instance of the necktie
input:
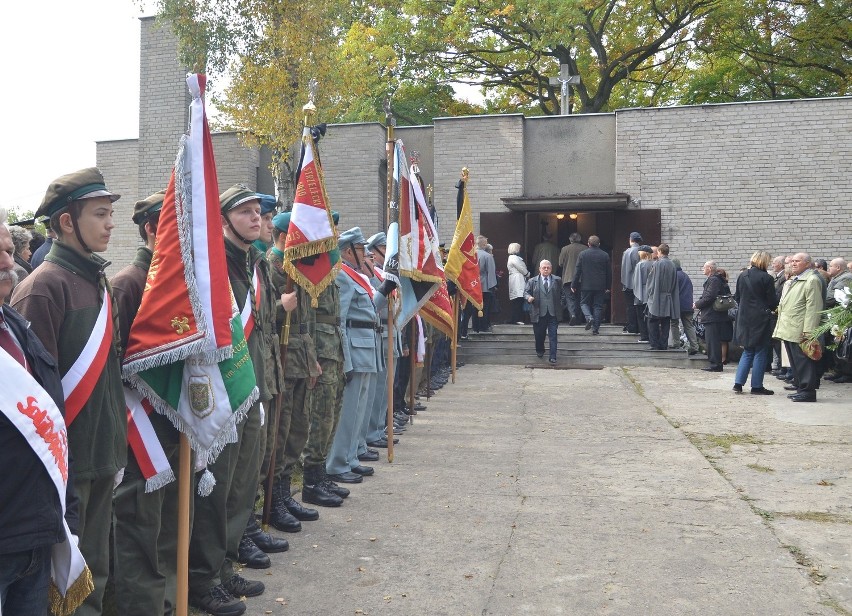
(547, 285)
(8, 343)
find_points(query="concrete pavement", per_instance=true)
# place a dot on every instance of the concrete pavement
(617, 491)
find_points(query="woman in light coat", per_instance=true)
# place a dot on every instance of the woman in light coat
(517, 279)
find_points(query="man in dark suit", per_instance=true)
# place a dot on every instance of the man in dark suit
(593, 277)
(544, 293)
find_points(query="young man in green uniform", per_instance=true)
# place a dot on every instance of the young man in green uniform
(220, 518)
(71, 309)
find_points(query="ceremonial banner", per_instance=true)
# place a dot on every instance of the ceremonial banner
(187, 352)
(439, 311)
(421, 271)
(311, 232)
(32, 411)
(462, 265)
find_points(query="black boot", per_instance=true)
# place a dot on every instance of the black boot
(314, 490)
(263, 540)
(280, 517)
(251, 556)
(295, 507)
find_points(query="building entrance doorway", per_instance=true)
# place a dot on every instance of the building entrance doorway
(529, 228)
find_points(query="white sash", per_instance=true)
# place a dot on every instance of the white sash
(32, 411)
(144, 443)
(246, 316)
(81, 378)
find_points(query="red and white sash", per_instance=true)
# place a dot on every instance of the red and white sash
(360, 279)
(81, 378)
(246, 316)
(144, 443)
(32, 411)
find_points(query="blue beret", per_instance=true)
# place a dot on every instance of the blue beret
(268, 203)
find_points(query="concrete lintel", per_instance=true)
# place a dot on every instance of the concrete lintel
(613, 201)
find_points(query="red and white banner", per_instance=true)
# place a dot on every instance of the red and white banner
(144, 442)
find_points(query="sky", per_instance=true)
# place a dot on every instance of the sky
(70, 76)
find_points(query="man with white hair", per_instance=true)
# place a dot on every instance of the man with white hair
(798, 316)
(543, 293)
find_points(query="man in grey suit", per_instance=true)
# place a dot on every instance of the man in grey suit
(663, 299)
(593, 277)
(544, 293)
(628, 264)
(362, 358)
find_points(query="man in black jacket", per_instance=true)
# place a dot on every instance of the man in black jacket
(593, 277)
(30, 514)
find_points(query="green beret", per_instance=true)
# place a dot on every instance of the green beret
(235, 196)
(351, 237)
(281, 221)
(335, 216)
(82, 184)
(146, 208)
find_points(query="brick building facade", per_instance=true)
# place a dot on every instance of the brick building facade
(714, 181)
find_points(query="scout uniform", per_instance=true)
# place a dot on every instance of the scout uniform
(70, 306)
(220, 518)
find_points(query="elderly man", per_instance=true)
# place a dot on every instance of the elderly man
(663, 300)
(568, 262)
(629, 259)
(543, 292)
(840, 277)
(798, 316)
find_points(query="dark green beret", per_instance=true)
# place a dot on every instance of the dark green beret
(235, 196)
(281, 221)
(335, 216)
(82, 184)
(146, 208)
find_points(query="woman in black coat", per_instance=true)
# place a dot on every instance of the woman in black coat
(756, 301)
(714, 321)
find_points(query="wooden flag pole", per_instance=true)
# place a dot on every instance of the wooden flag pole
(454, 343)
(389, 154)
(184, 494)
(412, 358)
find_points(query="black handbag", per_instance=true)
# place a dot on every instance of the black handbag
(723, 303)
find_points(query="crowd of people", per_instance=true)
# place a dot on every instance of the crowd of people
(65, 317)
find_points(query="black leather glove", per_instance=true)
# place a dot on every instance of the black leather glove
(387, 287)
(349, 376)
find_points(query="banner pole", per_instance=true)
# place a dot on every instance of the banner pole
(184, 493)
(454, 343)
(390, 151)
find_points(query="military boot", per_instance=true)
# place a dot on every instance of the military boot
(314, 490)
(295, 507)
(263, 540)
(280, 517)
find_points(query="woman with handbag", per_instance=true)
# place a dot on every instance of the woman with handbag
(756, 299)
(713, 315)
(517, 279)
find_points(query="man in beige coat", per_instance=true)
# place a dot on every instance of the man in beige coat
(798, 316)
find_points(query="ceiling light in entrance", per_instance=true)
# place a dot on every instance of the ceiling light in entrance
(572, 216)
(560, 216)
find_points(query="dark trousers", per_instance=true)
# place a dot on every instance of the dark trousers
(713, 338)
(641, 321)
(592, 304)
(517, 309)
(24, 579)
(483, 323)
(805, 375)
(632, 321)
(658, 332)
(572, 302)
(546, 325)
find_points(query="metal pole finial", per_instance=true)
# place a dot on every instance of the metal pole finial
(310, 107)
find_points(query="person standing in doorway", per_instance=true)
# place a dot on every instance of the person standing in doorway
(628, 263)
(593, 278)
(568, 262)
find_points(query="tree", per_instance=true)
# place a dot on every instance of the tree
(772, 49)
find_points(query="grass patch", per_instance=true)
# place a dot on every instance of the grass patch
(802, 560)
(760, 469)
(822, 517)
(831, 603)
(726, 441)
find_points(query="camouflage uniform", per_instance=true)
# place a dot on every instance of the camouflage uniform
(327, 398)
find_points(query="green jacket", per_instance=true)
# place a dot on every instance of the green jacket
(62, 300)
(325, 329)
(241, 265)
(800, 307)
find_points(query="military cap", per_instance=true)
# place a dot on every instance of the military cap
(379, 239)
(281, 221)
(83, 184)
(235, 196)
(147, 207)
(635, 236)
(268, 203)
(350, 238)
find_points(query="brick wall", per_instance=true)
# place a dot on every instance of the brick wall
(492, 148)
(735, 178)
(119, 163)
